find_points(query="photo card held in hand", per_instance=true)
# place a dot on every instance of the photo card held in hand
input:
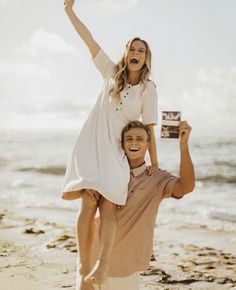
(170, 124)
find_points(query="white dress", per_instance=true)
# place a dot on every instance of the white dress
(97, 160)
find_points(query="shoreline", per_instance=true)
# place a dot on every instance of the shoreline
(38, 251)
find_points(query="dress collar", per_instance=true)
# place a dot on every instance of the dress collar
(138, 170)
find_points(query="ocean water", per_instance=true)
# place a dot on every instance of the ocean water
(32, 165)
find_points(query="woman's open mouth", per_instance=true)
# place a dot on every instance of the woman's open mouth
(134, 60)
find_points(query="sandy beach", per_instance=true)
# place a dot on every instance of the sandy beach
(38, 251)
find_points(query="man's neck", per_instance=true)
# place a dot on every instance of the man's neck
(136, 163)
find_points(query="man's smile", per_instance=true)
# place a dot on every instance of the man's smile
(133, 149)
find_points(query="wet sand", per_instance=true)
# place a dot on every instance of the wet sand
(38, 251)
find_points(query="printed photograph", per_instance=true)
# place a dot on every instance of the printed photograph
(170, 124)
(171, 115)
(169, 132)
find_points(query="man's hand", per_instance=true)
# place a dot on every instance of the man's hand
(184, 132)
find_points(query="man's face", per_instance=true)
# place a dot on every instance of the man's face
(135, 143)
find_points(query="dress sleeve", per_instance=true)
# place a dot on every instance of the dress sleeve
(104, 64)
(149, 104)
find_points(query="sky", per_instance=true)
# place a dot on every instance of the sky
(47, 78)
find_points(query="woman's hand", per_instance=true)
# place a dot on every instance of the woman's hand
(68, 4)
(152, 169)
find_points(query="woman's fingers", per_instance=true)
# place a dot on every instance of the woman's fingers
(151, 169)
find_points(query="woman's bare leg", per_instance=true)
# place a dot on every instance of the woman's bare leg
(107, 234)
(84, 233)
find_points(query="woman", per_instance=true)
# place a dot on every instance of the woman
(98, 169)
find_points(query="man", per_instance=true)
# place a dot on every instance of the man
(136, 220)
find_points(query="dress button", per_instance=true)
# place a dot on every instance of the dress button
(120, 103)
(125, 96)
(116, 109)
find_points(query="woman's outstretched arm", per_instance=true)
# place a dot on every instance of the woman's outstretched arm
(81, 29)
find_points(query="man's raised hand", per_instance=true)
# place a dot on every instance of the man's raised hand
(184, 132)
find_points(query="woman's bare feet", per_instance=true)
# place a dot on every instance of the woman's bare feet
(98, 275)
(83, 271)
(85, 286)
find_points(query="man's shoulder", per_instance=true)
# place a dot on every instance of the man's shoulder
(162, 174)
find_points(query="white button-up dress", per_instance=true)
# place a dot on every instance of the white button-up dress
(97, 160)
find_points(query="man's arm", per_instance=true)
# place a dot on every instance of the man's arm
(186, 182)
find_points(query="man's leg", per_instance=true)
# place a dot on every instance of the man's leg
(107, 234)
(84, 234)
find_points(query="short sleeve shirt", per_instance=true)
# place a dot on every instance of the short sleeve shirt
(136, 221)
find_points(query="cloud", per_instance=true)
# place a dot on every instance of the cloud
(211, 105)
(113, 6)
(47, 112)
(42, 41)
(218, 88)
(24, 69)
(218, 77)
(49, 104)
(4, 3)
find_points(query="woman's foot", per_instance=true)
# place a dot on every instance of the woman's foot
(71, 195)
(98, 275)
(82, 271)
(85, 286)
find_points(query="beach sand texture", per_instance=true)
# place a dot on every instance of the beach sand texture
(40, 253)
(195, 239)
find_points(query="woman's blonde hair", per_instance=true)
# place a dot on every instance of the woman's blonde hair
(120, 75)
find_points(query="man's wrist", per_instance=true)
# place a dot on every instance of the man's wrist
(184, 146)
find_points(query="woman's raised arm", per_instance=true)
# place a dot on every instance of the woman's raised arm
(81, 29)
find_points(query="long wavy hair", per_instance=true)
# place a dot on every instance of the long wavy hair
(121, 72)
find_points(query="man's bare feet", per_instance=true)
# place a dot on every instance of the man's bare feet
(98, 275)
